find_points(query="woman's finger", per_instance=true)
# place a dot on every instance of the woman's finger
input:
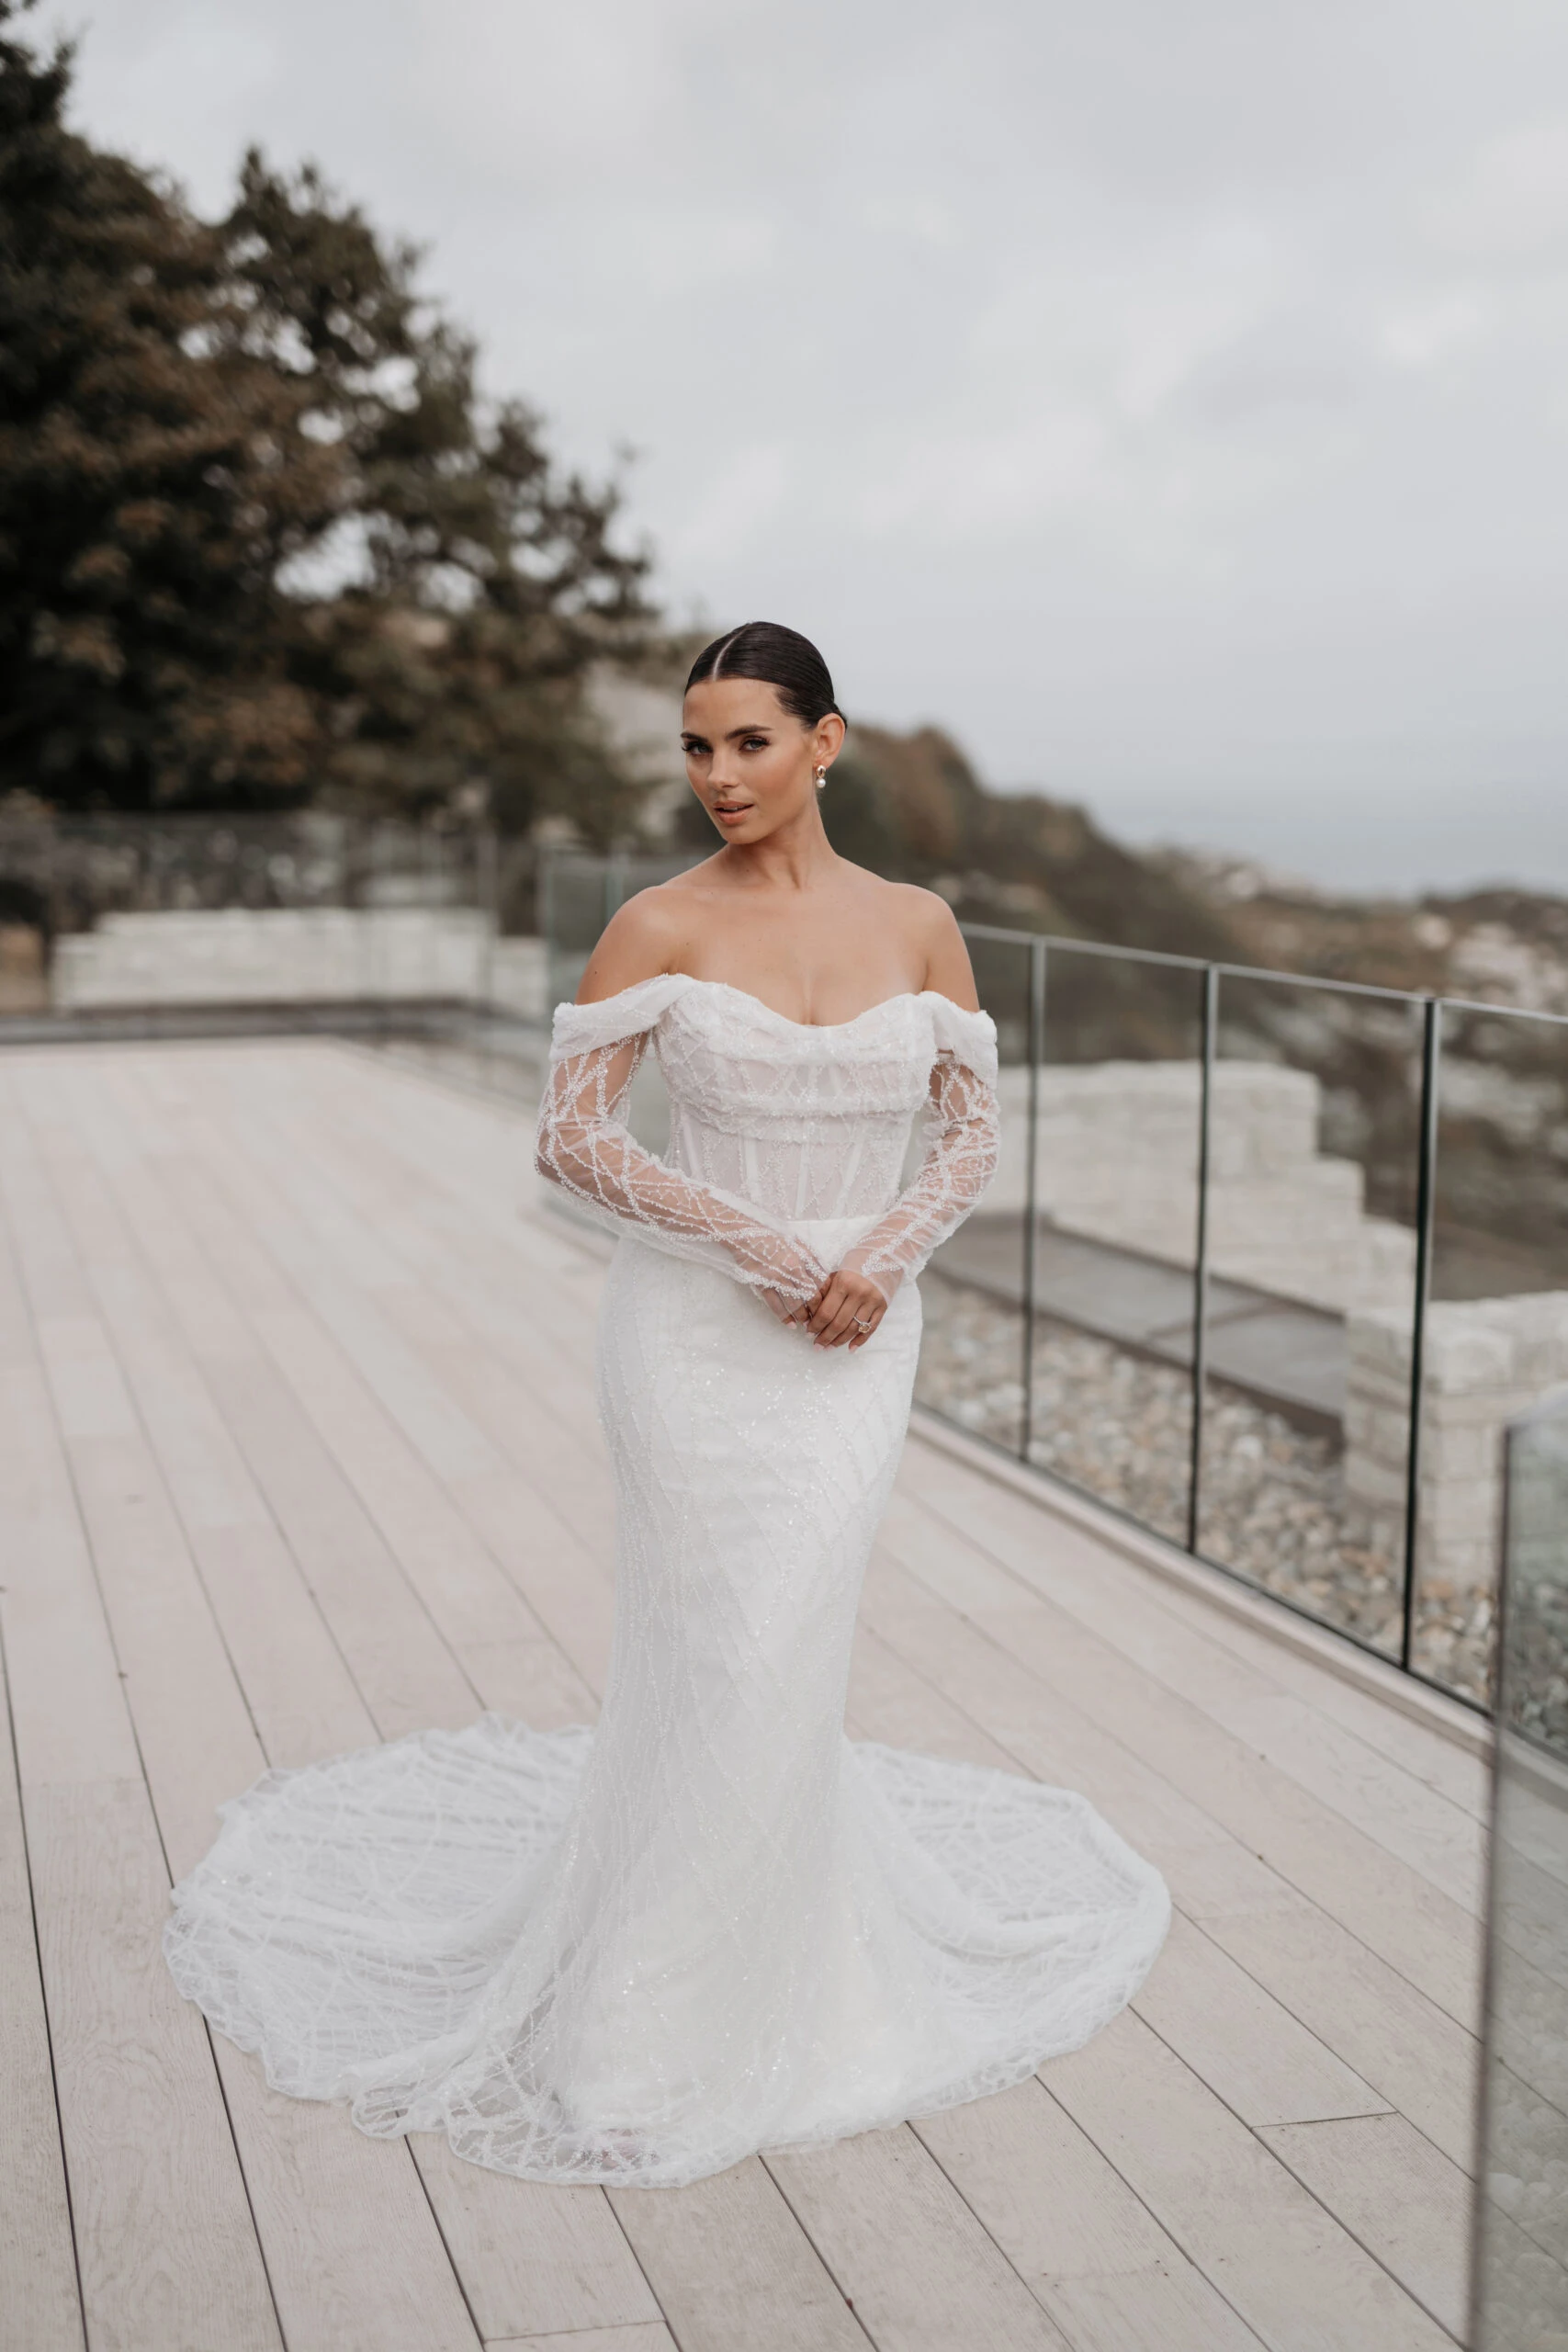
(868, 1316)
(841, 1328)
(829, 1306)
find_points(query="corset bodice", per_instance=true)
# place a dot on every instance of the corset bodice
(800, 1121)
(774, 1125)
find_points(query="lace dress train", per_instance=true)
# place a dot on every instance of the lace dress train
(713, 1924)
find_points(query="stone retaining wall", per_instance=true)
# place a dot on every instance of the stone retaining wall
(1118, 1160)
(1485, 1361)
(298, 955)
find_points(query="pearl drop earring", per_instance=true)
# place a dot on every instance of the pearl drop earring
(821, 778)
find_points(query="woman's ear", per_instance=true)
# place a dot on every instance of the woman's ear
(828, 740)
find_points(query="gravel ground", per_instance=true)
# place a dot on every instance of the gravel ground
(1538, 1664)
(1119, 1425)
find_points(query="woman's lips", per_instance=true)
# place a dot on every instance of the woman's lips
(727, 815)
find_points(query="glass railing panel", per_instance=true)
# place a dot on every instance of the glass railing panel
(1520, 2291)
(575, 903)
(578, 894)
(1313, 1163)
(1496, 1330)
(1116, 1161)
(971, 1365)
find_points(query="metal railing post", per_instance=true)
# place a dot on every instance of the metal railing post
(1031, 1204)
(1201, 1254)
(486, 890)
(1426, 1193)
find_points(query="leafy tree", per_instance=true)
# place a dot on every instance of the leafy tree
(259, 537)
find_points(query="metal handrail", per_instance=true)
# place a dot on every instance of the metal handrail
(1430, 1009)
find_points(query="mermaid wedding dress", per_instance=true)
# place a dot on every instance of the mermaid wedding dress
(712, 1925)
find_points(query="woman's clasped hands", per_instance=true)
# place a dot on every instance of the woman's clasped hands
(844, 1312)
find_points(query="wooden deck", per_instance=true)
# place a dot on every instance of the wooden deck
(298, 1451)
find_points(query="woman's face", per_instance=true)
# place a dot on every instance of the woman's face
(751, 763)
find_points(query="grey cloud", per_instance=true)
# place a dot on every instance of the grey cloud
(1168, 397)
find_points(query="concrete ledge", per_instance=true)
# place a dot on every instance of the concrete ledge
(1336, 1652)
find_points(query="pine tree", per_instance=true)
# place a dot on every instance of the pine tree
(259, 539)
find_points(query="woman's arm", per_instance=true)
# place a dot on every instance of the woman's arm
(962, 1131)
(584, 1146)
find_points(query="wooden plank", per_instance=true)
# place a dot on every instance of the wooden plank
(296, 1682)
(1396, 2040)
(167, 2248)
(164, 2237)
(536, 2258)
(1112, 2278)
(486, 1240)
(731, 2266)
(67, 1701)
(1417, 1928)
(379, 1621)
(1110, 2275)
(1453, 1771)
(1256, 1631)
(466, 1334)
(1406, 2204)
(463, 1585)
(409, 1675)
(654, 2338)
(529, 2256)
(477, 1582)
(425, 1269)
(1295, 2275)
(505, 1525)
(1436, 1837)
(41, 2310)
(356, 2261)
(1245, 2044)
(1410, 2052)
(916, 2266)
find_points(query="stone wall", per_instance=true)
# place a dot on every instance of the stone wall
(1117, 1158)
(308, 954)
(1486, 1361)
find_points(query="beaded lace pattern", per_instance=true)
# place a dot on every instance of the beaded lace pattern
(712, 1924)
(773, 1122)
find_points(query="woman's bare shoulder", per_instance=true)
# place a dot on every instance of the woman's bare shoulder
(933, 934)
(926, 931)
(642, 939)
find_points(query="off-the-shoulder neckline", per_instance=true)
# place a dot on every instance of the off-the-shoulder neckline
(904, 996)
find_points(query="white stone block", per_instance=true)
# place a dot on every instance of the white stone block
(274, 955)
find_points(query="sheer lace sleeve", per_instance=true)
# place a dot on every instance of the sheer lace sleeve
(962, 1131)
(584, 1146)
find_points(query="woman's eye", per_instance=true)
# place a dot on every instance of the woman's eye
(755, 743)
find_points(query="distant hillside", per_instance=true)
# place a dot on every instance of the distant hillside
(912, 807)
(1501, 946)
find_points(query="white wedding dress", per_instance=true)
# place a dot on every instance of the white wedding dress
(713, 1924)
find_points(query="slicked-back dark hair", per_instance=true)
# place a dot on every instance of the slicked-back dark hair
(776, 657)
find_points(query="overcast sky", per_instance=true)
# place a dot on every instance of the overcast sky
(1169, 396)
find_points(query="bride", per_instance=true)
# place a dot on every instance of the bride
(712, 1925)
